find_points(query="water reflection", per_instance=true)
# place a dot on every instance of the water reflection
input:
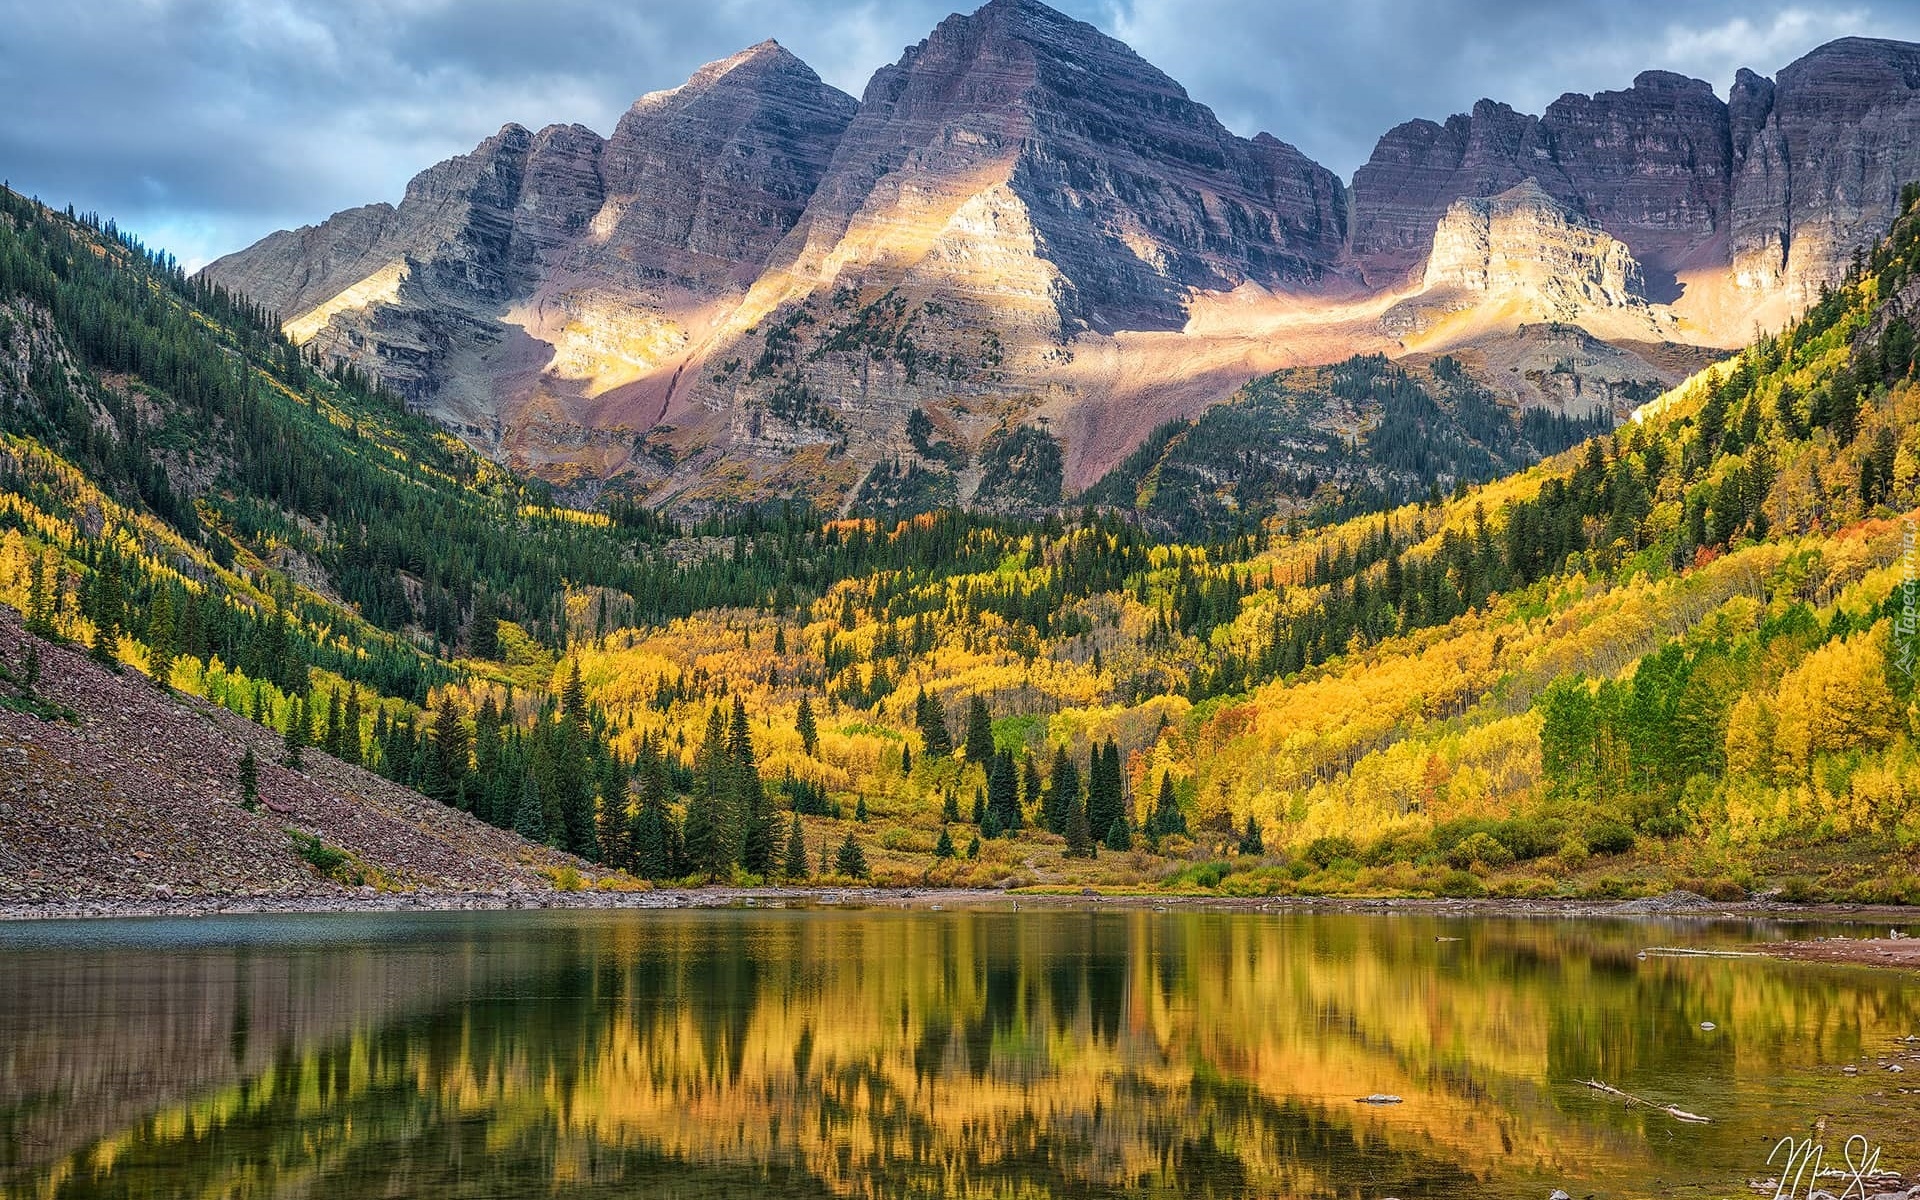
(918, 1054)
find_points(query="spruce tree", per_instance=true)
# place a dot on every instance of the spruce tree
(979, 806)
(935, 741)
(1166, 818)
(979, 732)
(973, 848)
(795, 867)
(351, 749)
(40, 588)
(708, 853)
(295, 736)
(943, 849)
(1062, 794)
(249, 780)
(330, 728)
(1117, 836)
(809, 732)
(860, 809)
(1079, 833)
(161, 649)
(449, 758)
(755, 818)
(950, 809)
(530, 814)
(1003, 792)
(851, 861)
(1251, 842)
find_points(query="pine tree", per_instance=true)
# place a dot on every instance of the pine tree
(755, 814)
(943, 849)
(449, 761)
(656, 850)
(613, 823)
(1079, 832)
(351, 750)
(573, 697)
(935, 741)
(1117, 836)
(40, 586)
(161, 648)
(1166, 818)
(706, 841)
(1251, 842)
(979, 732)
(950, 810)
(1032, 791)
(795, 867)
(330, 730)
(973, 848)
(850, 861)
(990, 824)
(249, 780)
(295, 736)
(530, 814)
(1003, 792)
(809, 732)
(860, 809)
(979, 806)
(109, 613)
(483, 637)
(1062, 794)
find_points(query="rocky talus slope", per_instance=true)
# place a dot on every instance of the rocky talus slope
(139, 798)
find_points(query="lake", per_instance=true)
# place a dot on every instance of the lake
(884, 1052)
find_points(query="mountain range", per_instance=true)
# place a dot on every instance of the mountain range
(758, 285)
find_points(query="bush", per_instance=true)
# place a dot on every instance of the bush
(1406, 845)
(1321, 852)
(1481, 849)
(1573, 852)
(1459, 885)
(1199, 875)
(1609, 837)
(1801, 890)
(565, 878)
(327, 861)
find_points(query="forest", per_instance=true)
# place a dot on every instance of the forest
(1678, 651)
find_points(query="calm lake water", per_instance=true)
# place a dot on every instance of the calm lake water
(893, 1053)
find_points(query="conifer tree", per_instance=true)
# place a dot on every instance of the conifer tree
(295, 737)
(530, 814)
(656, 851)
(613, 823)
(1079, 832)
(935, 741)
(1251, 842)
(161, 649)
(950, 809)
(979, 732)
(943, 849)
(1166, 818)
(330, 728)
(351, 750)
(1003, 793)
(749, 795)
(1062, 794)
(973, 848)
(449, 763)
(1117, 836)
(706, 841)
(40, 589)
(249, 780)
(851, 861)
(795, 867)
(809, 732)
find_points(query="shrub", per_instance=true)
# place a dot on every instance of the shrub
(1322, 851)
(1459, 885)
(1481, 849)
(565, 878)
(1573, 852)
(1198, 875)
(1609, 837)
(324, 859)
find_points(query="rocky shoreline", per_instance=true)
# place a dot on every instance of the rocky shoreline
(1902, 951)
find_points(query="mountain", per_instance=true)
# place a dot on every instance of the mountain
(755, 284)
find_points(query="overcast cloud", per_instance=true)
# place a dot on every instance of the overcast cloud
(204, 124)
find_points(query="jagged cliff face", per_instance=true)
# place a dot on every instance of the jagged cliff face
(754, 280)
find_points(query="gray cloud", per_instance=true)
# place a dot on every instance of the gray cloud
(207, 123)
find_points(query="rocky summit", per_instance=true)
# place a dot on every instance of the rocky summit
(756, 284)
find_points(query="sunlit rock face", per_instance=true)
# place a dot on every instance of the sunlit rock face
(545, 267)
(1524, 244)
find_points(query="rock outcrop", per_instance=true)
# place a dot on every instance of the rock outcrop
(1523, 244)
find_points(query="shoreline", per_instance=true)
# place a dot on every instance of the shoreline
(1881, 952)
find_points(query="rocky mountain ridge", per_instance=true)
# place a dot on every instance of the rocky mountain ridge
(755, 280)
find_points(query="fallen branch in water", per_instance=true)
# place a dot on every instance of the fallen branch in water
(1677, 1113)
(1688, 952)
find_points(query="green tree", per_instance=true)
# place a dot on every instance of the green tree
(706, 840)
(755, 813)
(795, 867)
(1166, 818)
(943, 848)
(40, 595)
(161, 638)
(809, 732)
(1251, 842)
(1063, 793)
(850, 861)
(1003, 792)
(249, 780)
(450, 763)
(530, 814)
(935, 741)
(296, 737)
(351, 748)
(979, 732)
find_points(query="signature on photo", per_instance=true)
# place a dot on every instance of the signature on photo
(1802, 1164)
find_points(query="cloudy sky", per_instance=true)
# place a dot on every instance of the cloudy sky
(204, 124)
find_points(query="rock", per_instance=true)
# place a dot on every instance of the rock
(1525, 245)
(1708, 1025)
(1378, 1098)
(1557, 1194)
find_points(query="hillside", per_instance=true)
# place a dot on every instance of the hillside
(754, 286)
(1672, 653)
